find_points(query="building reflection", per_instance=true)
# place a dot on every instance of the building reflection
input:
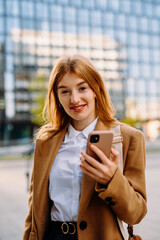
(120, 37)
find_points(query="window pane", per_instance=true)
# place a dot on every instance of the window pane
(126, 6)
(155, 41)
(83, 29)
(12, 24)
(120, 21)
(70, 15)
(1, 24)
(83, 17)
(108, 19)
(62, 1)
(144, 40)
(96, 18)
(144, 55)
(12, 7)
(89, 3)
(133, 54)
(132, 23)
(121, 36)
(136, 7)
(27, 9)
(154, 26)
(102, 4)
(43, 25)
(42, 11)
(76, 3)
(133, 38)
(148, 9)
(144, 24)
(70, 28)
(114, 5)
(1, 7)
(56, 27)
(27, 24)
(56, 13)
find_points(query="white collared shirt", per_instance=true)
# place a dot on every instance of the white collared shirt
(65, 177)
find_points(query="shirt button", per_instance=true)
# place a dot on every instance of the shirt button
(83, 225)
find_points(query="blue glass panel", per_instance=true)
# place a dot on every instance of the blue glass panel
(76, 3)
(126, 7)
(42, 11)
(42, 25)
(132, 23)
(89, 3)
(83, 29)
(102, 4)
(113, 5)
(70, 14)
(27, 9)
(1, 24)
(136, 7)
(133, 38)
(133, 54)
(56, 13)
(96, 18)
(12, 7)
(70, 28)
(144, 25)
(108, 19)
(148, 9)
(12, 24)
(83, 16)
(144, 40)
(155, 26)
(121, 21)
(62, 1)
(1, 7)
(56, 27)
(27, 24)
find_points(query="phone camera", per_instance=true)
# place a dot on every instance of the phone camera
(94, 138)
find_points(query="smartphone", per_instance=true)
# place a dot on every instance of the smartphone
(102, 140)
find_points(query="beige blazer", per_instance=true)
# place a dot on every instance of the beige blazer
(124, 197)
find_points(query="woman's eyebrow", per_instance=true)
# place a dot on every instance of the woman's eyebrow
(63, 86)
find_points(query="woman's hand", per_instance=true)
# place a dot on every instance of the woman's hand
(102, 171)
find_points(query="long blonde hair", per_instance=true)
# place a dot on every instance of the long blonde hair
(55, 117)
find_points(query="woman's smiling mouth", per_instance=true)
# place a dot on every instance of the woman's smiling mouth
(78, 108)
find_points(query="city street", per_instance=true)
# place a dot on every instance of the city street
(14, 198)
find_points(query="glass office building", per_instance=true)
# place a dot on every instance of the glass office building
(121, 37)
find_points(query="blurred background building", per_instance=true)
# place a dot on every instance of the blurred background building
(121, 37)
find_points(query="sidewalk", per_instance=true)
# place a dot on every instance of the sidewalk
(14, 198)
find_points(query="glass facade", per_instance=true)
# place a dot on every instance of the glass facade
(121, 37)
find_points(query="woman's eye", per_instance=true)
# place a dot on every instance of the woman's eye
(64, 92)
(83, 88)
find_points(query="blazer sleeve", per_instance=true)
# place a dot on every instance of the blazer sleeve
(29, 221)
(126, 193)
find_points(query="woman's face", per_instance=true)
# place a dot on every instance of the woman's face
(77, 99)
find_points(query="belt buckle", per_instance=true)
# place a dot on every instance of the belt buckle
(74, 228)
(67, 226)
(62, 228)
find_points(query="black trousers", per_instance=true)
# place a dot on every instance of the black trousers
(61, 231)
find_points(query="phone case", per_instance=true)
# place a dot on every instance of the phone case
(104, 142)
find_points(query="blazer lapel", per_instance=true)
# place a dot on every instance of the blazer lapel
(88, 184)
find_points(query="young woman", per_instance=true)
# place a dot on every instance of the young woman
(72, 195)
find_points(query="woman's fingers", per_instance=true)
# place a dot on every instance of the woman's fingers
(115, 156)
(100, 171)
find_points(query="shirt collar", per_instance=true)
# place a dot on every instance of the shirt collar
(71, 133)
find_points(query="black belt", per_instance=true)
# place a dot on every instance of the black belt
(61, 231)
(65, 227)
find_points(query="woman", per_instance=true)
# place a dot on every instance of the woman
(72, 195)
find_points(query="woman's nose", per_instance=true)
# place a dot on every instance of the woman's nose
(74, 97)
